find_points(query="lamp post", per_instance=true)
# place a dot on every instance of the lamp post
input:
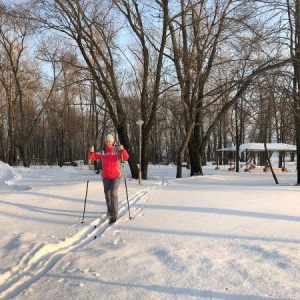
(140, 123)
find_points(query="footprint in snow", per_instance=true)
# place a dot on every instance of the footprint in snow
(117, 231)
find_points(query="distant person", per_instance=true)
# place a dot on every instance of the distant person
(111, 157)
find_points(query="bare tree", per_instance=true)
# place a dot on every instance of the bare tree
(90, 26)
(197, 31)
(20, 79)
(201, 35)
(293, 11)
(287, 16)
(148, 82)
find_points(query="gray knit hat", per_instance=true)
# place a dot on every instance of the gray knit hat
(109, 137)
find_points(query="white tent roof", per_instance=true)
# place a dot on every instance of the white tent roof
(261, 147)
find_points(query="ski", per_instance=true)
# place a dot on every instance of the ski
(102, 213)
(110, 223)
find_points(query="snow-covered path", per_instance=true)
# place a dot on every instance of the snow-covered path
(40, 258)
(220, 236)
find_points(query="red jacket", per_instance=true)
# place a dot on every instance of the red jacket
(111, 158)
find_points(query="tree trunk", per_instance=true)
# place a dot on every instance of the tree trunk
(25, 154)
(132, 162)
(183, 149)
(195, 160)
(297, 85)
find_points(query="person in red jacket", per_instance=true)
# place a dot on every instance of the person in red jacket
(111, 157)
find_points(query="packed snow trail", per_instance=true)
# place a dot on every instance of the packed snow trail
(41, 259)
(220, 236)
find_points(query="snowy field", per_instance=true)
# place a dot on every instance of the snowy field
(223, 235)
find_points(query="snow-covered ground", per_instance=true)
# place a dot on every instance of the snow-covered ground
(223, 235)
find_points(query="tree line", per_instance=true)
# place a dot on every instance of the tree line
(202, 75)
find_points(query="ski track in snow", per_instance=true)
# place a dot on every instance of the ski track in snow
(41, 259)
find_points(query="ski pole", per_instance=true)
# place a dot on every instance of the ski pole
(86, 192)
(123, 164)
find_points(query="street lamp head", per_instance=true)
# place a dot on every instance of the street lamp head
(140, 122)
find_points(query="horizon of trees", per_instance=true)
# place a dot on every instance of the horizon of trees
(202, 75)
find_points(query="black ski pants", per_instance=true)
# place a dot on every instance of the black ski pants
(111, 195)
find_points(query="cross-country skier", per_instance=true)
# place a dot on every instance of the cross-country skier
(111, 157)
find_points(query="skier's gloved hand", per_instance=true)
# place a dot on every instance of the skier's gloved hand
(121, 148)
(91, 149)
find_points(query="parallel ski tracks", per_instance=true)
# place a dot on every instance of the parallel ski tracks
(41, 259)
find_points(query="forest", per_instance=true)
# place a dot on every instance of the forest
(201, 75)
